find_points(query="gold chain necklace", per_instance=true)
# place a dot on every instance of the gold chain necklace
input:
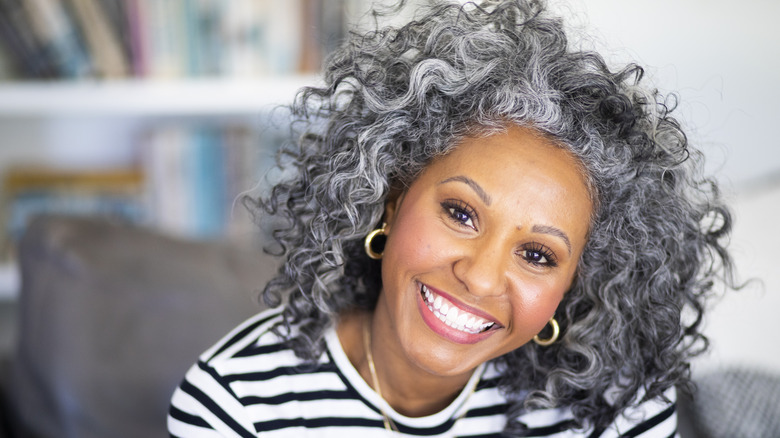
(388, 422)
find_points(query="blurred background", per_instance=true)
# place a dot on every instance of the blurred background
(160, 112)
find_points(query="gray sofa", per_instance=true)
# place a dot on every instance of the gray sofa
(111, 316)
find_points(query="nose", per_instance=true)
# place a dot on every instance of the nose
(482, 267)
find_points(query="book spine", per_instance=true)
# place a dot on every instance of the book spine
(166, 46)
(138, 30)
(111, 193)
(310, 56)
(210, 25)
(332, 28)
(193, 38)
(106, 51)
(118, 18)
(244, 37)
(20, 44)
(284, 42)
(240, 178)
(163, 155)
(24, 206)
(208, 182)
(59, 37)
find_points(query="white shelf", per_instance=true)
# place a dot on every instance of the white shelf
(175, 97)
(10, 281)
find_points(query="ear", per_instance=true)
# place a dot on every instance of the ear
(392, 206)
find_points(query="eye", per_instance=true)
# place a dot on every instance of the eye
(538, 255)
(460, 212)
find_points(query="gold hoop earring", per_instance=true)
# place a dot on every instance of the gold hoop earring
(369, 240)
(551, 340)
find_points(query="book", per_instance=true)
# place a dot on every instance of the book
(28, 192)
(8, 67)
(118, 17)
(244, 37)
(323, 29)
(186, 180)
(25, 54)
(138, 35)
(169, 38)
(196, 176)
(57, 37)
(101, 37)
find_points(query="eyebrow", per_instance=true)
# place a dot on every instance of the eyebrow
(546, 229)
(474, 186)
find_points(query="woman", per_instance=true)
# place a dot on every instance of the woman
(545, 231)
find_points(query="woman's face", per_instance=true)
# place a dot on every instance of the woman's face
(481, 249)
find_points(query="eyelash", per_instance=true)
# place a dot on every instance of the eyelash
(541, 251)
(453, 208)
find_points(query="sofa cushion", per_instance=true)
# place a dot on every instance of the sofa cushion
(733, 401)
(111, 317)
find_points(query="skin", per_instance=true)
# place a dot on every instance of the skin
(497, 227)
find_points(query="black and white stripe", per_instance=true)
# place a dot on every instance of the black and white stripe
(250, 385)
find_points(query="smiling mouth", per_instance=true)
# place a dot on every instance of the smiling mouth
(454, 317)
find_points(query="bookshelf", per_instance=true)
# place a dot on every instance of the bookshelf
(92, 90)
(46, 122)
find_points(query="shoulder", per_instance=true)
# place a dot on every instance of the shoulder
(211, 397)
(655, 418)
(256, 331)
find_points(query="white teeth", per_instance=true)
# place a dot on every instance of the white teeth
(452, 316)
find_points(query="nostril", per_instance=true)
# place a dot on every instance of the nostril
(483, 274)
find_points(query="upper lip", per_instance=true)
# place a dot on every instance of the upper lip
(463, 306)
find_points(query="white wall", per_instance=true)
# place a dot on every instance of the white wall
(743, 324)
(723, 59)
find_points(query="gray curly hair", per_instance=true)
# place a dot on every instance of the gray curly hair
(396, 98)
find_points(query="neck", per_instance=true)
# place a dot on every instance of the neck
(410, 390)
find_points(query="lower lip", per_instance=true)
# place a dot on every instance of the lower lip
(444, 330)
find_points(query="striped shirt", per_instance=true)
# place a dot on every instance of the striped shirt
(251, 385)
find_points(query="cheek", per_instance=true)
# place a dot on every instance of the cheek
(413, 242)
(536, 304)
